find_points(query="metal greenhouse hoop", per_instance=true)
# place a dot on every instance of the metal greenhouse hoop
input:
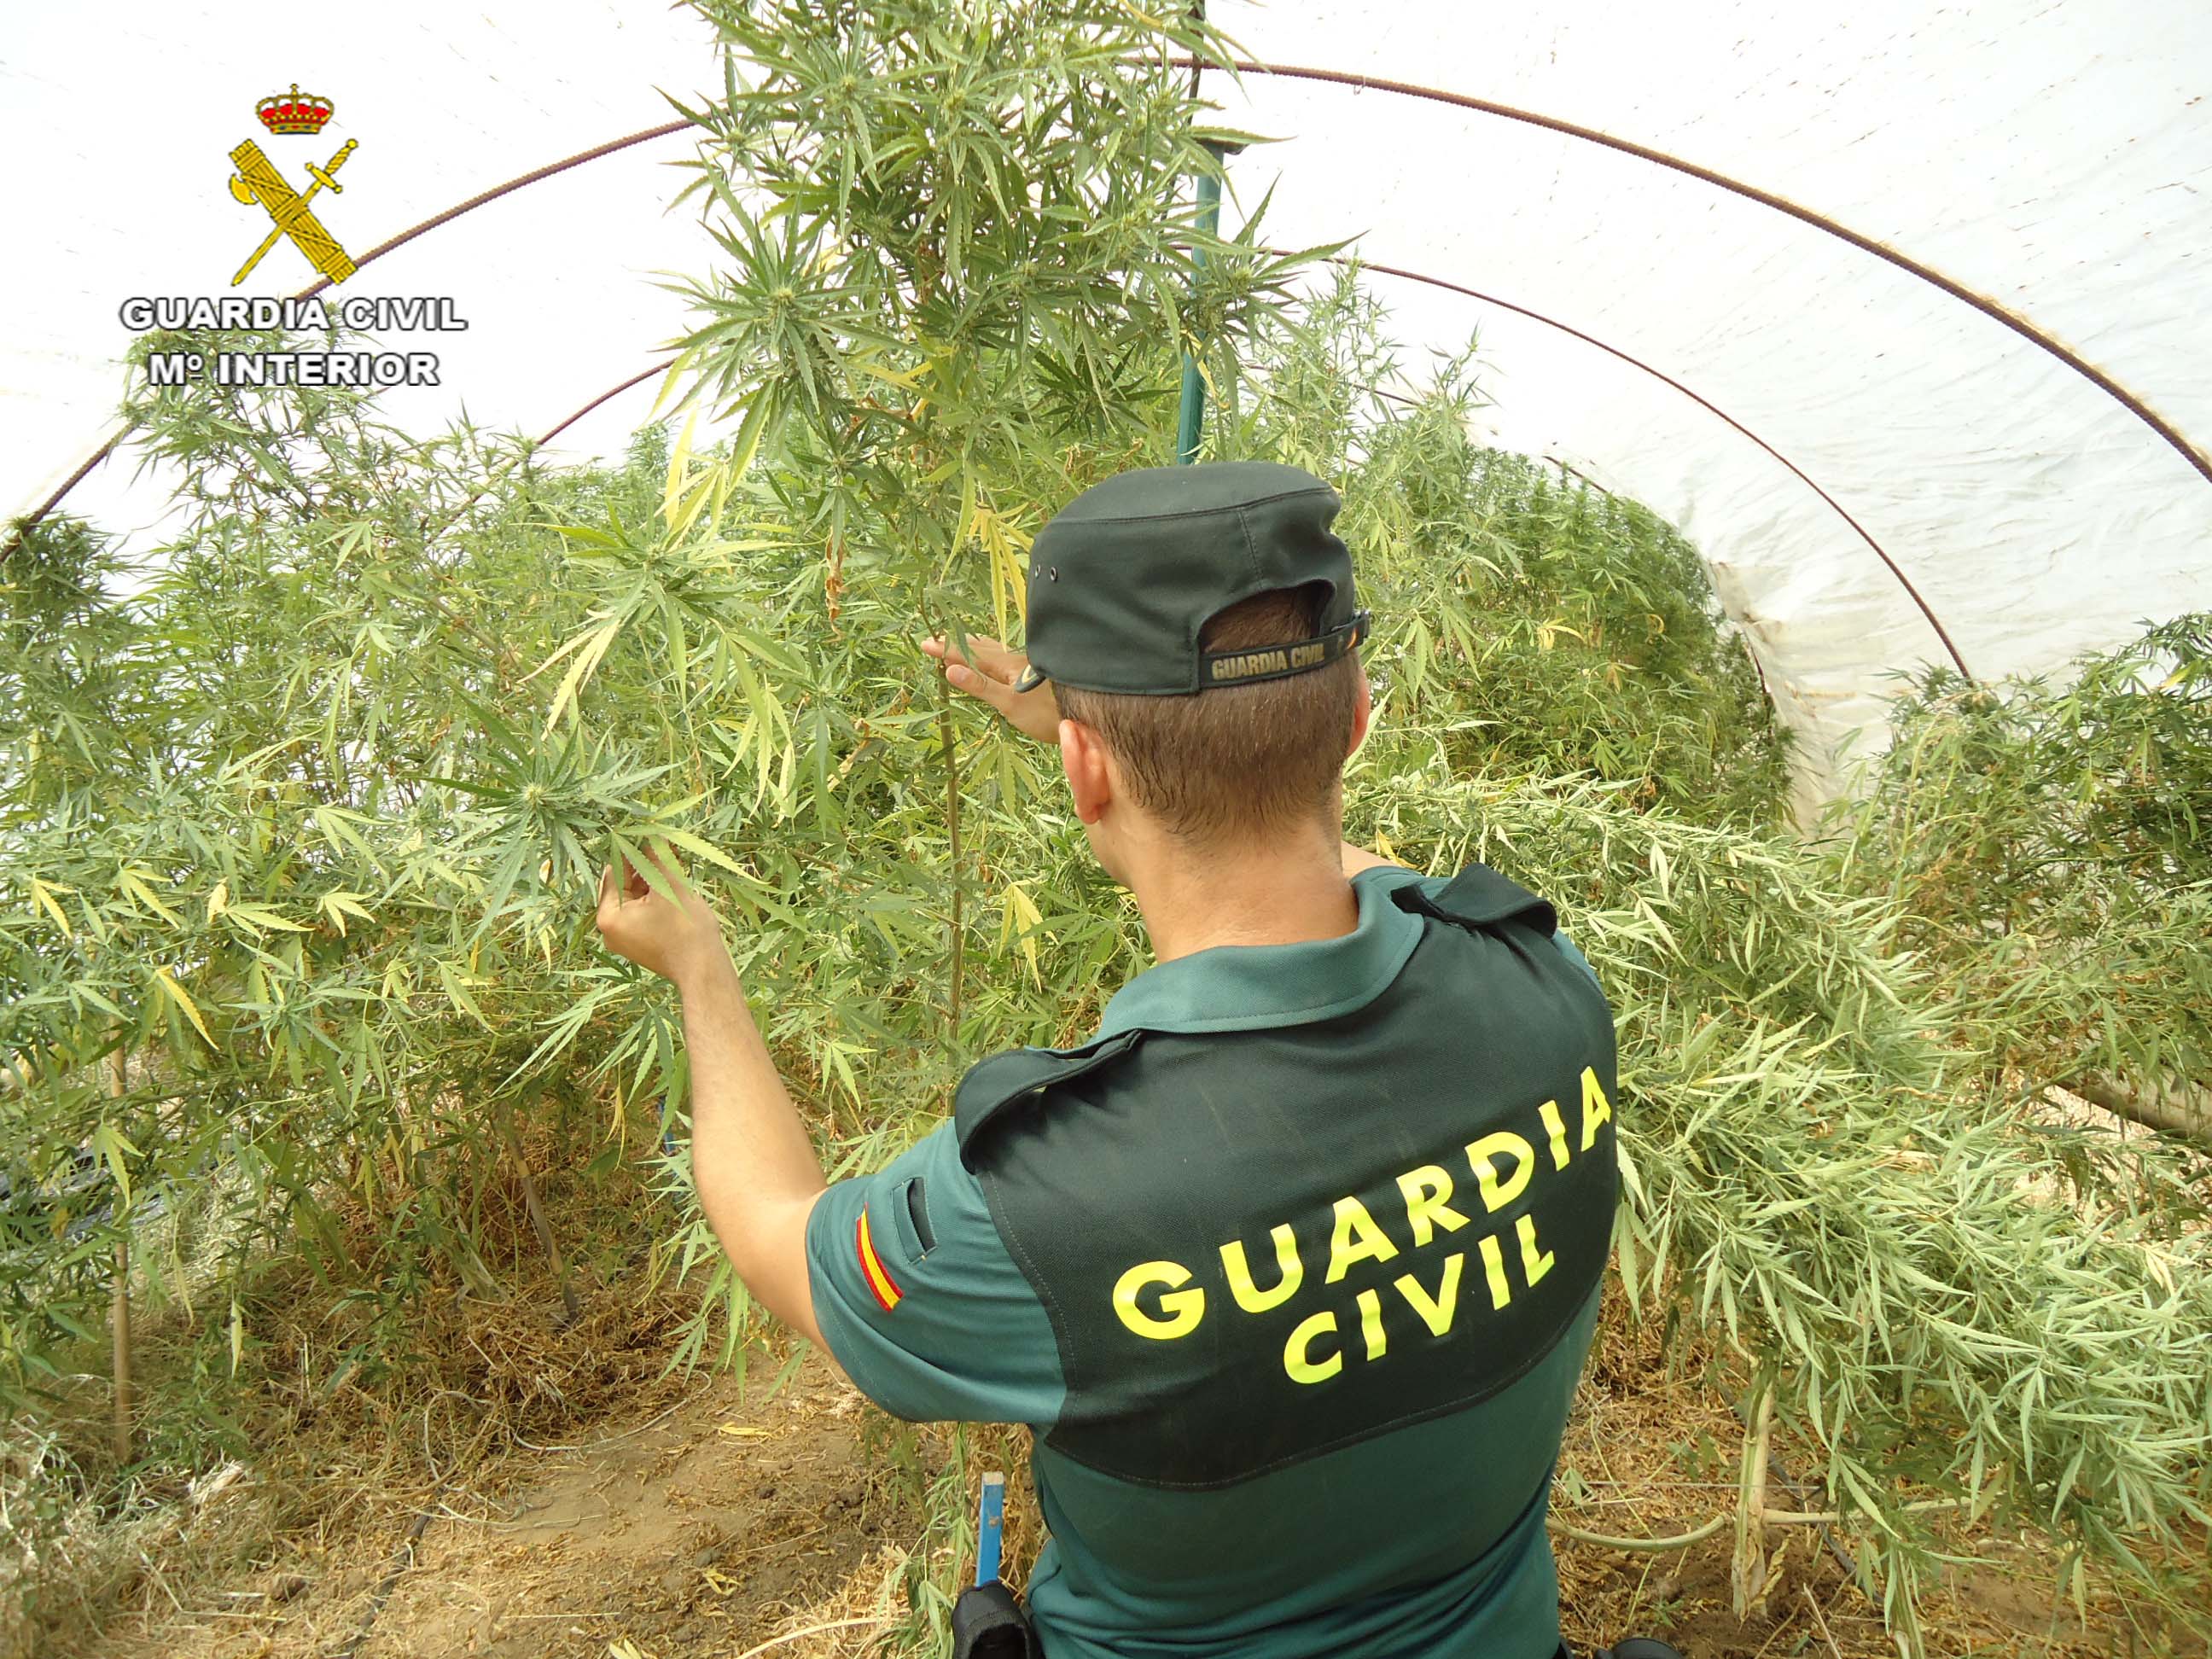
(1991, 308)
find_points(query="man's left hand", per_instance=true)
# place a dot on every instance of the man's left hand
(678, 942)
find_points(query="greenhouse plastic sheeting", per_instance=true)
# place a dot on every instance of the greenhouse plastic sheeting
(2055, 159)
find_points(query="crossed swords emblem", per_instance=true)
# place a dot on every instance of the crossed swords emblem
(257, 180)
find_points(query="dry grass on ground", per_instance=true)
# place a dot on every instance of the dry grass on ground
(682, 1515)
(1649, 1456)
(666, 1516)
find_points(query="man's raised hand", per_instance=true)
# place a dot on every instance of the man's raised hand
(678, 942)
(1036, 713)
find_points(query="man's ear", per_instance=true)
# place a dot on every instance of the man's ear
(1083, 762)
(1363, 707)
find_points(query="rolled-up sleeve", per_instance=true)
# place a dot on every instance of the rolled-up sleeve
(920, 1301)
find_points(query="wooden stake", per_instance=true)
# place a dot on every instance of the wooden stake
(543, 1230)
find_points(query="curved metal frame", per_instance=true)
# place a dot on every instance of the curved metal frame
(666, 129)
(1904, 581)
(1904, 262)
(1956, 289)
(611, 392)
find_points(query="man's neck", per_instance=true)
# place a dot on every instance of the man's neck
(1194, 904)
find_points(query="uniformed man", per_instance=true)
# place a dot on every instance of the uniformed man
(1293, 1265)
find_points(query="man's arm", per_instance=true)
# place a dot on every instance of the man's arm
(755, 1168)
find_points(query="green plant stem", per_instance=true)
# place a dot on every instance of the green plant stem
(1749, 1563)
(2179, 1108)
(952, 825)
(119, 1304)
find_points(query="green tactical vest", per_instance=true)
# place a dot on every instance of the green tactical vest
(1259, 1246)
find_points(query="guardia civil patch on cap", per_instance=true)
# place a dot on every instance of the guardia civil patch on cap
(886, 1290)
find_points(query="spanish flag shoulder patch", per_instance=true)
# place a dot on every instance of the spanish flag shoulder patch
(887, 1292)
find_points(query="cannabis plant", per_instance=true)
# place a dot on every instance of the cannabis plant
(2052, 846)
(303, 830)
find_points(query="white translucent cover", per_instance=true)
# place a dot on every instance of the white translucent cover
(2055, 158)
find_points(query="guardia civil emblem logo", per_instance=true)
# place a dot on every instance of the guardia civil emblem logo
(258, 182)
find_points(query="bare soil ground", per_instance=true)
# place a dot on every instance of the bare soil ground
(678, 1517)
(699, 1525)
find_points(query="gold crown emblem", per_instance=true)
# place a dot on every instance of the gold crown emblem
(295, 111)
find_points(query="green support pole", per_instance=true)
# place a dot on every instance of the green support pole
(1192, 417)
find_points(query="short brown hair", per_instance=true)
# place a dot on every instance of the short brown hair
(1236, 764)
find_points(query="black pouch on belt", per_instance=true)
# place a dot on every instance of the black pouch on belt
(987, 1623)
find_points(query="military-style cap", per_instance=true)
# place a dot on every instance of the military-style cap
(1127, 574)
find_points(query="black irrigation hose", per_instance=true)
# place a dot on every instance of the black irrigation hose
(1903, 580)
(1991, 308)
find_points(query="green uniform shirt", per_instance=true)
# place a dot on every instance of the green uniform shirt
(1359, 1528)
